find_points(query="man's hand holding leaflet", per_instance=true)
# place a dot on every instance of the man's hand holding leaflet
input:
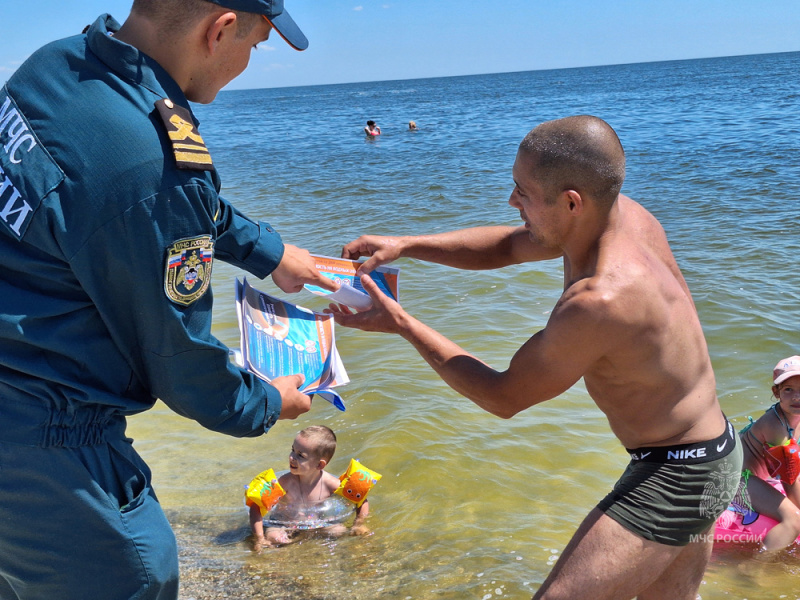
(344, 273)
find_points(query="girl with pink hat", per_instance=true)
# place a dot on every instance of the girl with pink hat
(771, 452)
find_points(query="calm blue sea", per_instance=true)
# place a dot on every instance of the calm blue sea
(471, 506)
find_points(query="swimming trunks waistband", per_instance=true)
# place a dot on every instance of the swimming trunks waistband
(688, 454)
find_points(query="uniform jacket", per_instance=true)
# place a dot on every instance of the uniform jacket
(110, 223)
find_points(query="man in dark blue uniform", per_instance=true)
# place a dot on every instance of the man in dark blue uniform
(110, 224)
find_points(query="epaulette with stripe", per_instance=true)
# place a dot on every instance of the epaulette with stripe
(188, 147)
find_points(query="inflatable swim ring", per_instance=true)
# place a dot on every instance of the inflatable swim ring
(330, 511)
(739, 524)
(266, 492)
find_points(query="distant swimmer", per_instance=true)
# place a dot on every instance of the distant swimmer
(412, 126)
(372, 129)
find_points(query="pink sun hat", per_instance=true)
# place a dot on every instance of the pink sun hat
(786, 368)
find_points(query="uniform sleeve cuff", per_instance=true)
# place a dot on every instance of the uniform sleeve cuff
(273, 407)
(268, 251)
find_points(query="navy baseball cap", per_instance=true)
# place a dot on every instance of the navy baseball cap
(272, 11)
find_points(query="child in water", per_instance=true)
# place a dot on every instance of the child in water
(307, 483)
(770, 450)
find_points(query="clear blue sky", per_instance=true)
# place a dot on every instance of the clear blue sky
(371, 40)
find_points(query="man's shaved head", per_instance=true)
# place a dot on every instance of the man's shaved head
(581, 153)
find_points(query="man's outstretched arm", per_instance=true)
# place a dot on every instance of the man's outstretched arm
(477, 248)
(545, 366)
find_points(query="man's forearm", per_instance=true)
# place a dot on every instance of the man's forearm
(477, 248)
(466, 374)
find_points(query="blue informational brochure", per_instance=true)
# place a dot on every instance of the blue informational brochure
(280, 338)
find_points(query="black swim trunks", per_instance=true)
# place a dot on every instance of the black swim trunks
(671, 495)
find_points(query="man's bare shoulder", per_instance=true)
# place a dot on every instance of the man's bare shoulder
(636, 279)
(613, 295)
(642, 229)
(593, 314)
(591, 295)
(637, 213)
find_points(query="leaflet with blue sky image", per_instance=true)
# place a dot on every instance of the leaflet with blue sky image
(280, 338)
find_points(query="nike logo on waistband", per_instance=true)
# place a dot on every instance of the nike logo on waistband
(721, 446)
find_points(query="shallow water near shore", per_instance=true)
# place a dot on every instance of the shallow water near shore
(472, 506)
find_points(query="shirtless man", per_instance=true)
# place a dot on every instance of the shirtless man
(627, 324)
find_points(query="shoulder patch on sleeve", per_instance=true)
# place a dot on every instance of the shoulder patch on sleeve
(187, 275)
(27, 171)
(188, 147)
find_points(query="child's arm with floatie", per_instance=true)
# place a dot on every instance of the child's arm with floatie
(360, 525)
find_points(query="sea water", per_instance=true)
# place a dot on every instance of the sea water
(472, 506)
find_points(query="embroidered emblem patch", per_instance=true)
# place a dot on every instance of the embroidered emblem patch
(188, 147)
(188, 272)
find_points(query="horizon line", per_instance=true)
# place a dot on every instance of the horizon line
(644, 62)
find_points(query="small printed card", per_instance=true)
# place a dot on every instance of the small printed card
(351, 292)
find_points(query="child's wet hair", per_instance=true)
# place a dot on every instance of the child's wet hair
(322, 438)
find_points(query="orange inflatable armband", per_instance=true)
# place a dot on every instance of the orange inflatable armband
(787, 461)
(356, 482)
(264, 491)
